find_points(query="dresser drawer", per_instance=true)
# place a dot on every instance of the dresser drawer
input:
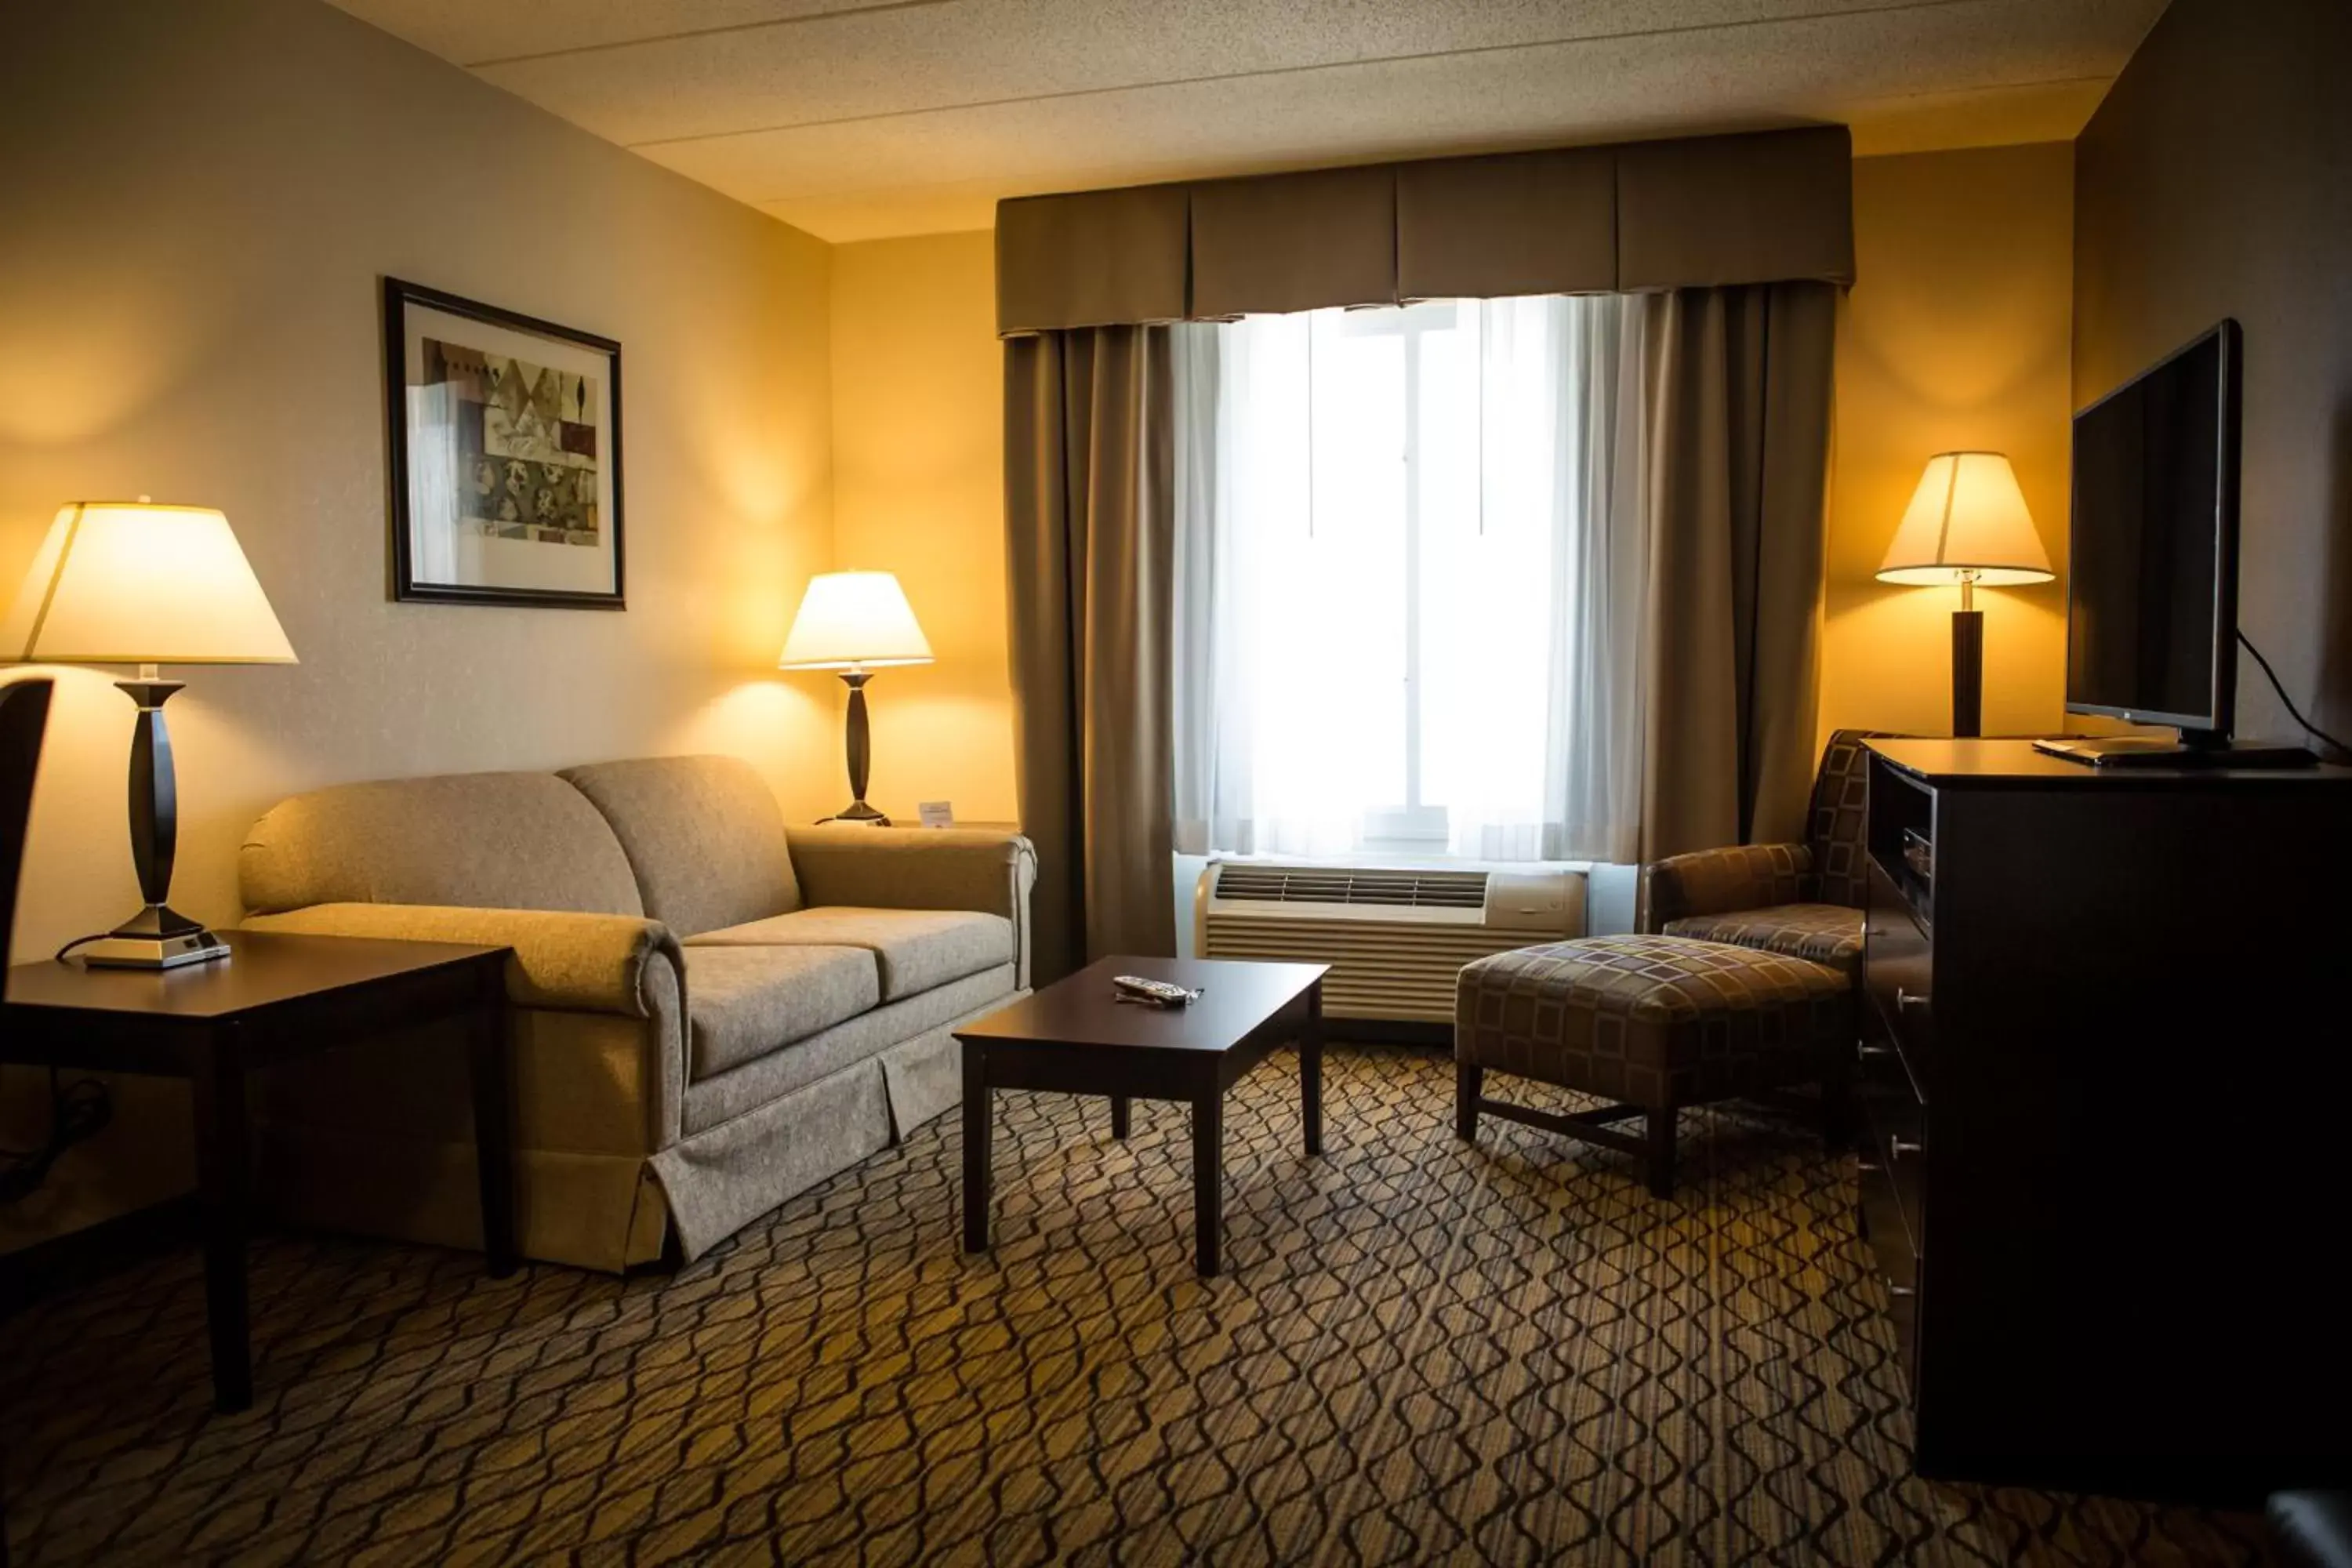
(1897, 966)
(1892, 1254)
(1896, 1120)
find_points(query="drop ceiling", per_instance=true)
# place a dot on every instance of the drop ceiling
(859, 119)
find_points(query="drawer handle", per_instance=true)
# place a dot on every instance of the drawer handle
(1866, 1163)
(1898, 1147)
(1906, 1000)
(1868, 1050)
(1901, 1293)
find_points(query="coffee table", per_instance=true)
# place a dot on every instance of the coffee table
(1073, 1038)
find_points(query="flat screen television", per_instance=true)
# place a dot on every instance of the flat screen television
(2152, 579)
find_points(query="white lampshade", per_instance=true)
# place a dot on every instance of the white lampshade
(1967, 516)
(135, 583)
(854, 620)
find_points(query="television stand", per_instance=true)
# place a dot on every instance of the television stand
(2154, 751)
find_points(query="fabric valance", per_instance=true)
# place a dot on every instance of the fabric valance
(1770, 206)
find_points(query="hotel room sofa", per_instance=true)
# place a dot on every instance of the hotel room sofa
(710, 1012)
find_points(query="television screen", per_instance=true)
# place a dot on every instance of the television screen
(2151, 613)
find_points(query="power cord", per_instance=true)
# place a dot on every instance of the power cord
(77, 1111)
(2294, 712)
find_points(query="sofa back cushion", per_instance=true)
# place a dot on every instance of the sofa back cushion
(498, 841)
(702, 835)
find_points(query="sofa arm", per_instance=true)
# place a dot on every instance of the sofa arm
(574, 962)
(920, 869)
(1718, 881)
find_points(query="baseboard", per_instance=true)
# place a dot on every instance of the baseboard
(83, 1256)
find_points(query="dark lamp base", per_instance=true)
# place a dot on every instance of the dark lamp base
(858, 811)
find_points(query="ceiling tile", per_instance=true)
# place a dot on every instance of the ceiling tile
(916, 116)
(470, 32)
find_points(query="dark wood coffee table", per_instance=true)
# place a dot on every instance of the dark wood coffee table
(1072, 1037)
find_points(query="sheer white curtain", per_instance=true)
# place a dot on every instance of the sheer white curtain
(1409, 575)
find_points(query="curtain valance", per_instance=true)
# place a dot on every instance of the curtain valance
(1770, 206)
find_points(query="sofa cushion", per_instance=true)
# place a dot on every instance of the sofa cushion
(915, 949)
(1826, 934)
(742, 1003)
(765, 1079)
(702, 835)
(493, 841)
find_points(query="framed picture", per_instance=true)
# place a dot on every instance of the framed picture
(505, 455)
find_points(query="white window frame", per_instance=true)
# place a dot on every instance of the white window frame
(1413, 825)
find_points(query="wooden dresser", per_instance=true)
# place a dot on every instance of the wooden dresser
(2107, 1039)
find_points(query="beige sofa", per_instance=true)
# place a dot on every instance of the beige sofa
(711, 1013)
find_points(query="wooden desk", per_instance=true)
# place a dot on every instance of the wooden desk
(277, 999)
(2102, 1061)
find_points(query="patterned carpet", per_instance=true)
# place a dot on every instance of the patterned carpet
(1423, 1352)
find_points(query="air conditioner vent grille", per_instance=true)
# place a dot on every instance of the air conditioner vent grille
(1336, 885)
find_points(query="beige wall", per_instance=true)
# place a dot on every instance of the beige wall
(1955, 335)
(200, 201)
(918, 489)
(2216, 180)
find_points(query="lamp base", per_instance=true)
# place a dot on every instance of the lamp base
(858, 811)
(157, 937)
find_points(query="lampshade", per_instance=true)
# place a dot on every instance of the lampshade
(135, 583)
(1967, 516)
(854, 618)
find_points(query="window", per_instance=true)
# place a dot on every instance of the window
(1389, 521)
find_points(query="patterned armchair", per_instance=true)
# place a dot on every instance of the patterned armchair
(1803, 900)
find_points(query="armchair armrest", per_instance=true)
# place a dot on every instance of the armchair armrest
(574, 963)
(927, 868)
(1718, 881)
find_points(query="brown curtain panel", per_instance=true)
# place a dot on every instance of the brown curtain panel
(1090, 517)
(1739, 389)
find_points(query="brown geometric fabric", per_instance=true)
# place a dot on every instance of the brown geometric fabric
(1415, 1356)
(1836, 825)
(1827, 868)
(1713, 882)
(1654, 1021)
(1825, 933)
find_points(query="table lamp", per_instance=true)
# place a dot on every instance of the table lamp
(857, 623)
(1967, 524)
(135, 583)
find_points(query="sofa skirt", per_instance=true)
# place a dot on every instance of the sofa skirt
(721, 1179)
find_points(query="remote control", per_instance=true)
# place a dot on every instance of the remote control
(1151, 993)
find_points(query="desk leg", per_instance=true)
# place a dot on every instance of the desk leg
(1310, 1070)
(490, 1065)
(1208, 1177)
(224, 1181)
(1121, 1116)
(979, 1130)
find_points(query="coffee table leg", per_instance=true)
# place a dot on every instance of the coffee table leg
(978, 1132)
(1208, 1178)
(1120, 1116)
(223, 1178)
(1310, 1070)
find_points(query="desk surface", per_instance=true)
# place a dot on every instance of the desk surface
(264, 968)
(2001, 762)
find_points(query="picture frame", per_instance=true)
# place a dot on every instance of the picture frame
(504, 455)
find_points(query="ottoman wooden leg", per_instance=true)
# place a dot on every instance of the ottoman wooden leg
(1661, 1153)
(1468, 1079)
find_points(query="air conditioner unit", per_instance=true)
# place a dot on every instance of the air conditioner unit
(1394, 936)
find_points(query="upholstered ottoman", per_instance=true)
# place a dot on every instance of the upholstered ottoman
(1650, 1023)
